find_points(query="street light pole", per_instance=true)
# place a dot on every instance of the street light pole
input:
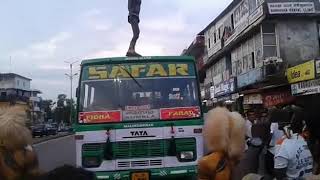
(71, 75)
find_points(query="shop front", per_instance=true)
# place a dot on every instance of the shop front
(305, 82)
(266, 98)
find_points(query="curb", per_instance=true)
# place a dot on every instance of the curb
(48, 138)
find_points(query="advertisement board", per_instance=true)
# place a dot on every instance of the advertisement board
(302, 72)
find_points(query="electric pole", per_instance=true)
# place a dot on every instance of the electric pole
(71, 76)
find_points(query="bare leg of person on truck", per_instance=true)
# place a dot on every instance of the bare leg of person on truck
(133, 19)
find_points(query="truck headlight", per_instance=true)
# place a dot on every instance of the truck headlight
(186, 155)
(91, 162)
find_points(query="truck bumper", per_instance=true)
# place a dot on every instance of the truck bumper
(161, 173)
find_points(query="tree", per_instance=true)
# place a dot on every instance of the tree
(46, 105)
(62, 111)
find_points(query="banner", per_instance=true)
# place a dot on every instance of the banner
(302, 72)
(100, 117)
(179, 113)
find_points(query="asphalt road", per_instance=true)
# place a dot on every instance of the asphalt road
(56, 152)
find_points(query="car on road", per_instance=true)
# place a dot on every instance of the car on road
(41, 130)
(51, 129)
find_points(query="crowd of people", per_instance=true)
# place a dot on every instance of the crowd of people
(283, 146)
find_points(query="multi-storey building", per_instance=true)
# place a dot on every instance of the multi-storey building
(250, 45)
(15, 90)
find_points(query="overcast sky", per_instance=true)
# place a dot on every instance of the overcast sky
(40, 35)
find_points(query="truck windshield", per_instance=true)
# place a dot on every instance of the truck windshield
(134, 99)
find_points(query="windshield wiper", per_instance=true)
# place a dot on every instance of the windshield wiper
(134, 79)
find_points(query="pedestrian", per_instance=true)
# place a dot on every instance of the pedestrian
(18, 161)
(274, 115)
(224, 135)
(293, 160)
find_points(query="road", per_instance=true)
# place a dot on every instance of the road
(56, 152)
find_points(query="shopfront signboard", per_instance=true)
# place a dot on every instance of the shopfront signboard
(291, 8)
(306, 88)
(277, 98)
(250, 77)
(317, 67)
(252, 99)
(224, 88)
(302, 72)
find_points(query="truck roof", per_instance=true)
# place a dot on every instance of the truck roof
(137, 59)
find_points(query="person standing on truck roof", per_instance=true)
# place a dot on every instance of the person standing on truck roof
(134, 20)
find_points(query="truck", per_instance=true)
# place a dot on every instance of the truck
(139, 118)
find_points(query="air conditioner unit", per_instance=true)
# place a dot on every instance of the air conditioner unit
(272, 66)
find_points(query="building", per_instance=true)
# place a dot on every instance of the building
(197, 50)
(249, 46)
(16, 90)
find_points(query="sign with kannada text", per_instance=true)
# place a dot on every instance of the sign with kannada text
(302, 72)
(146, 70)
(291, 7)
(100, 117)
(179, 113)
(306, 87)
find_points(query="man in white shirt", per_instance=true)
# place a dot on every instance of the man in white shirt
(293, 160)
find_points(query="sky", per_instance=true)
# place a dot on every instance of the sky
(38, 36)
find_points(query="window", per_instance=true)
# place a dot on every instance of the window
(24, 84)
(18, 82)
(209, 43)
(219, 33)
(232, 21)
(252, 60)
(215, 37)
(269, 40)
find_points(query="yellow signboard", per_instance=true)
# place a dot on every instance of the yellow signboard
(302, 72)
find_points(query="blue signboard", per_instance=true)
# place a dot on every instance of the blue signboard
(224, 88)
(251, 77)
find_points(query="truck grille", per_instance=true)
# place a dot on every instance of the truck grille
(140, 149)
